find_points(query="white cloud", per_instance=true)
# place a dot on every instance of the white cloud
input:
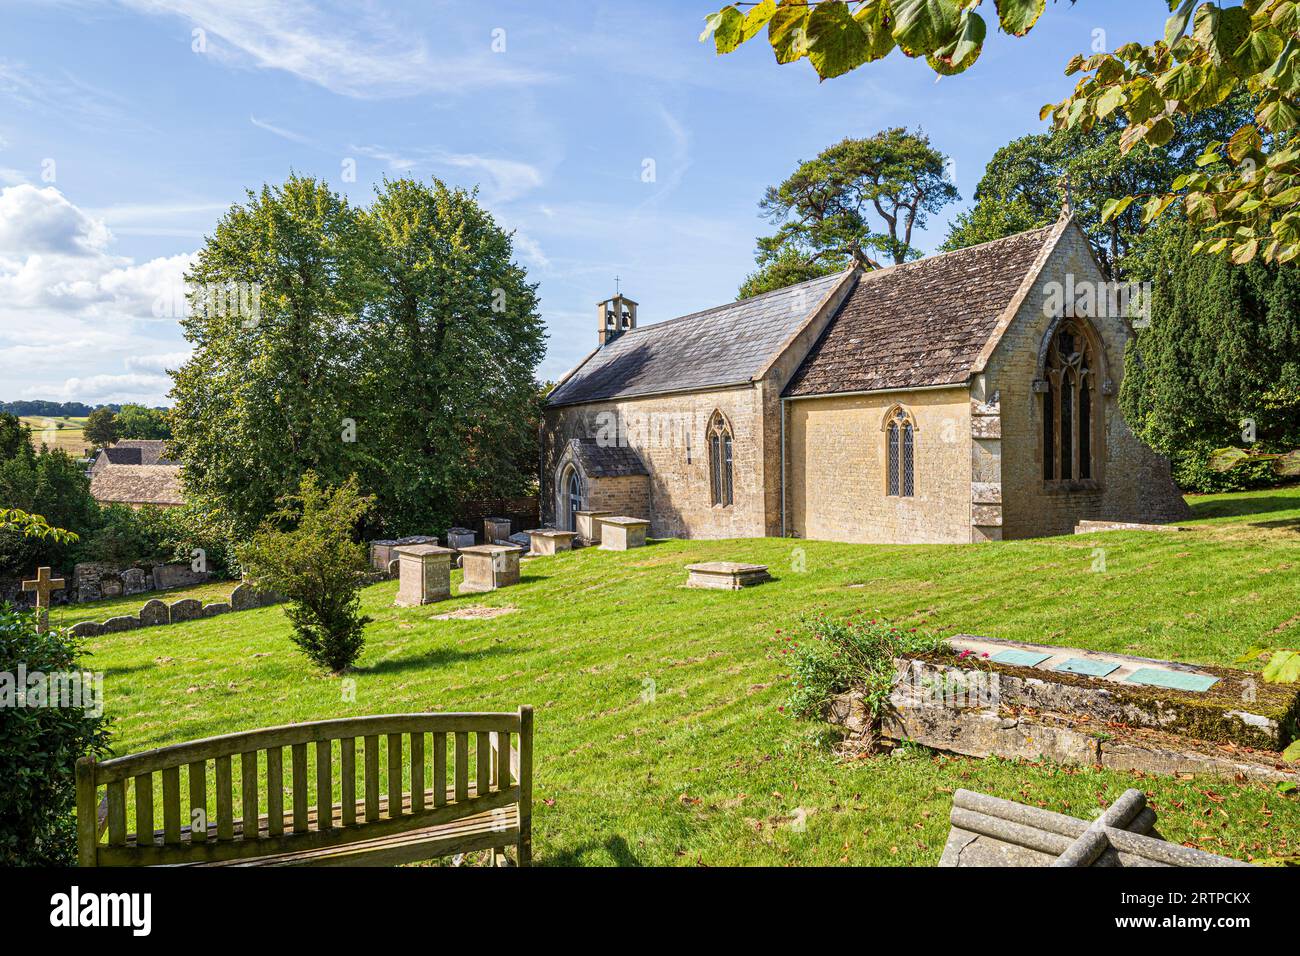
(157, 363)
(130, 387)
(68, 303)
(351, 48)
(280, 131)
(42, 221)
(504, 179)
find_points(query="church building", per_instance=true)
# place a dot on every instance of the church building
(967, 396)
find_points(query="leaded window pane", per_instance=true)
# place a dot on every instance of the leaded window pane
(908, 480)
(891, 464)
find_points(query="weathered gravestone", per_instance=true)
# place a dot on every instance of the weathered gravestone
(495, 529)
(187, 609)
(154, 613)
(621, 532)
(488, 567)
(88, 629)
(425, 574)
(588, 525)
(135, 581)
(215, 608)
(458, 538)
(548, 541)
(245, 597)
(177, 575)
(127, 622)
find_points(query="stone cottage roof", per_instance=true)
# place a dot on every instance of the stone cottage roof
(151, 450)
(605, 462)
(922, 323)
(725, 345)
(121, 456)
(137, 485)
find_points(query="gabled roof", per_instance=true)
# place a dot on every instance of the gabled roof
(726, 345)
(137, 485)
(605, 461)
(151, 450)
(924, 323)
(122, 456)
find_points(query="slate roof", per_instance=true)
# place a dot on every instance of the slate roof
(122, 456)
(725, 345)
(137, 485)
(921, 323)
(606, 462)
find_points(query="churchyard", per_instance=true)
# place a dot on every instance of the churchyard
(663, 733)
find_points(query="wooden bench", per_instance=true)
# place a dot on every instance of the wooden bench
(470, 790)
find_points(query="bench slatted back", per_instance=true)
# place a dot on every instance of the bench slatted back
(401, 789)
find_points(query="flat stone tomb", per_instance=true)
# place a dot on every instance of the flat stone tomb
(1119, 668)
(495, 529)
(424, 572)
(725, 575)
(488, 567)
(588, 525)
(460, 538)
(549, 541)
(621, 532)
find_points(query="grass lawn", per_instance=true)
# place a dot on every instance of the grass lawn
(64, 615)
(58, 432)
(658, 735)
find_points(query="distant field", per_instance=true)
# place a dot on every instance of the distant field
(62, 433)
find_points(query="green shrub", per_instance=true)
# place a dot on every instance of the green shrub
(1192, 472)
(39, 747)
(840, 654)
(305, 551)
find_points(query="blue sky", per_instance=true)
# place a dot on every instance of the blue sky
(124, 134)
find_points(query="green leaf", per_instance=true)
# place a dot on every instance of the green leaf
(1243, 252)
(1109, 101)
(1018, 16)
(1176, 25)
(874, 18)
(1224, 459)
(836, 42)
(1283, 668)
(1257, 51)
(962, 52)
(1161, 132)
(787, 31)
(1113, 207)
(922, 26)
(756, 19)
(1155, 207)
(727, 29)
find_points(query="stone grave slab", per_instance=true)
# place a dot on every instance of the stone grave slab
(1174, 680)
(725, 575)
(215, 608)
(187, 609)
(621, 532)
(424, 572)
(1089, 668)
(488, 567)
(1020, 658)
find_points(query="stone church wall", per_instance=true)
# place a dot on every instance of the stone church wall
(1134, 481)
(668, 434)
(835, 481)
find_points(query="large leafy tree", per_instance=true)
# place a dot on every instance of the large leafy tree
(101, 427)
(271, 389)
(1245, 198)
(1025, 181)
(453, 336)
(1220, 362)
(138, 421)
(856, 197)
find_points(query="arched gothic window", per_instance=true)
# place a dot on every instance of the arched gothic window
(1069, 407)
(900, 453)
(720, 441)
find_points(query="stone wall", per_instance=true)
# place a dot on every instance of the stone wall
(836, 483)
(95, 580)
(668, 434)
(1133, 482)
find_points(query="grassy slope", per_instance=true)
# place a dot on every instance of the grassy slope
(64, 615)
(708, 770)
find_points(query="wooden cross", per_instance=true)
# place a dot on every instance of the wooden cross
(43, 585)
